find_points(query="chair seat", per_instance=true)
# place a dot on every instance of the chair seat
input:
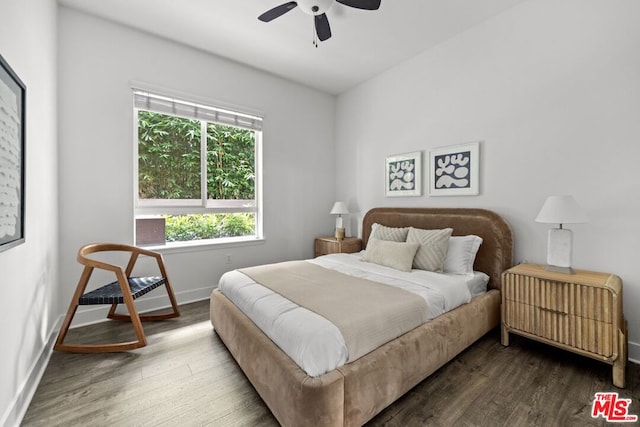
(112, 294)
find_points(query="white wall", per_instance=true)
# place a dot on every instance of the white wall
(552, 88)
(28, 272)
(98, 62)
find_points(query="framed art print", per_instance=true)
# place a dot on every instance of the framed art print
(12, 127)
(403, 175)
(455, 170)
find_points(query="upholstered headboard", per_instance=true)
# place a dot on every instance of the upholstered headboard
(496, 252)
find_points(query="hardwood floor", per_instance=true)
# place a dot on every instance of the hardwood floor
(186, 377)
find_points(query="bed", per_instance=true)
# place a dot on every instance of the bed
(355, 392)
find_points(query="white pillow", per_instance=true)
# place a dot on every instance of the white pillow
(433, 248)
(398, 255)
(462, 254)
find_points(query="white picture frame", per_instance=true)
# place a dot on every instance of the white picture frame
(403, 175)
(455, 170)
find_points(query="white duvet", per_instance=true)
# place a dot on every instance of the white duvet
(312, 341)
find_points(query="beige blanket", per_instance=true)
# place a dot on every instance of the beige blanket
(367, 313)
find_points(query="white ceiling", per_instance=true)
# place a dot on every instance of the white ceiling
(364, 43)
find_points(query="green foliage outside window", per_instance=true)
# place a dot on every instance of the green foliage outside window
(230, 163)
(180, 228)
(169, 159)
(169, 167)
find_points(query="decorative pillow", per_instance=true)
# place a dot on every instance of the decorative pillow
(398, 255)
(433, 247)
(394, 234)
(462, 254)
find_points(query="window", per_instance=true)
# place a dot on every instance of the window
(197, 172)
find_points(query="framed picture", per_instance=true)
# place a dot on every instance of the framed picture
(403, 175)
(455, 170)
(12, 127)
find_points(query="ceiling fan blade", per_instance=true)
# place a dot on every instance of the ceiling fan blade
(277, 11)
(323, 30)
(361, 4)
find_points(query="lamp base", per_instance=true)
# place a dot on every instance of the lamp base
(559, 248)
(555, 268)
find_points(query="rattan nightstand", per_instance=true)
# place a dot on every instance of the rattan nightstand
(330, 245)
(579, 312)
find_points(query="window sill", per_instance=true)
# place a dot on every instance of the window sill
(204, 245)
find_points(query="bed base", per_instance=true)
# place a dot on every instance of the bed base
(354, 393)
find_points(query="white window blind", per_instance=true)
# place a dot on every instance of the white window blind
(190, 110)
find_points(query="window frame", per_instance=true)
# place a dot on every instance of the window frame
(204, 205)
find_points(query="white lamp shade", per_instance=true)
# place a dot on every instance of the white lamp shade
(561, 210)
(339, 208)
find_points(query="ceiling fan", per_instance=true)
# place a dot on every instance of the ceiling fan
(317, 9)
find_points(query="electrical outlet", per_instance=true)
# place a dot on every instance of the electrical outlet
(228, 259)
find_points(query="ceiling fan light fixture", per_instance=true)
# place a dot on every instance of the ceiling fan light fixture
(314, 7)
(317, 9)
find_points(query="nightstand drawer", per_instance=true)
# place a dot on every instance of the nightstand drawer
(562, 297)
(561, 327)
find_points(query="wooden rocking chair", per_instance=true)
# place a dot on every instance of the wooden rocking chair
(124, 290)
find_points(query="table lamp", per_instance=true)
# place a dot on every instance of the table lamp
(560, 210)
(339, 208)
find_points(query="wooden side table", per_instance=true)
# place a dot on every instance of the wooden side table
(330, 245)
(579, 312)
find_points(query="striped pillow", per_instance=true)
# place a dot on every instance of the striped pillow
(433, 248)
(394, 234)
